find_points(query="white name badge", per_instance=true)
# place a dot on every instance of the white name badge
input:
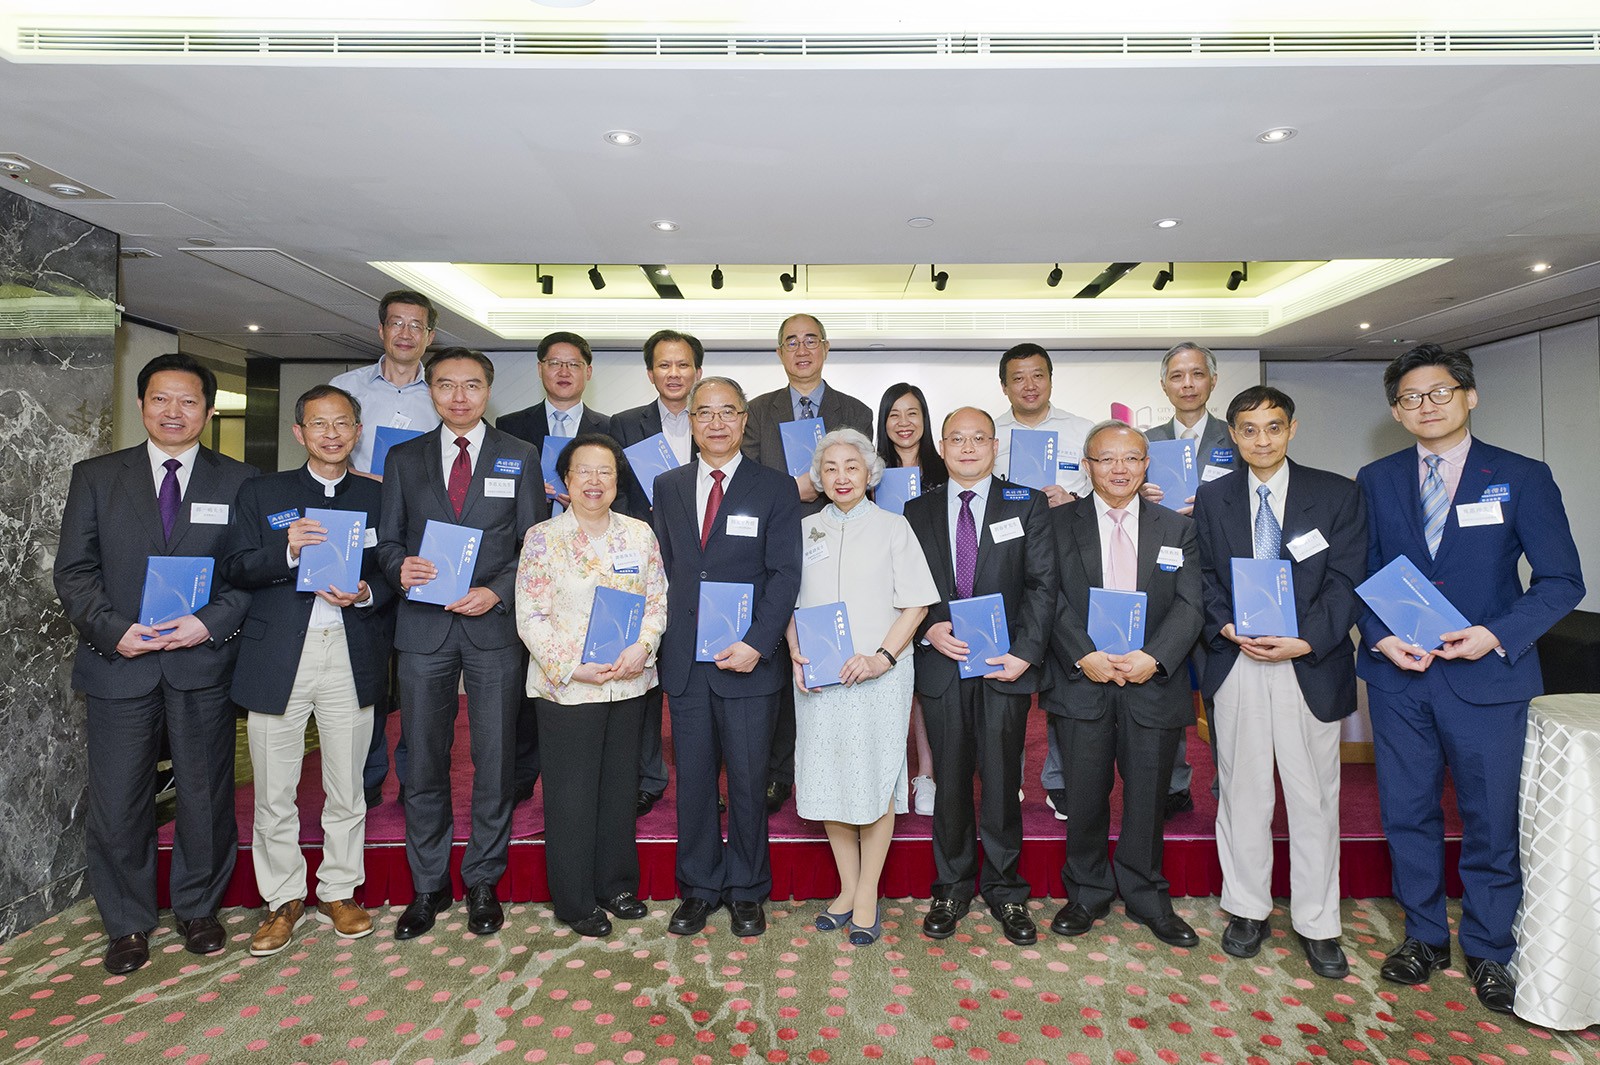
(370, 539)
(816, 552)
(625, 562)
(217, 513)
(400, 421)
(1170, 557)
(499, 487)
(742, 524)
(1305, 545)
(1211, 473)
(1470, 514)
(1009, 529)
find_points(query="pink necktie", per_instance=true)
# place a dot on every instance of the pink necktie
(1124, 556)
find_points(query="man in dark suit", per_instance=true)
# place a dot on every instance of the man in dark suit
(981, 536)
(725, 519)
(1123, 710)
(322, 652)
(673, 362)
(1278, 700)
(167, 496)
(462, 473)
(1465, 513)
(803, 350)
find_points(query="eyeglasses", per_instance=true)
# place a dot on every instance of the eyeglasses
(1440, 397)
(562, 364)
(960, 440)
(471, 388)
(406, 325)
(704, 415)
(322, 425)
(1273, 430)
(810, 343)
(602, 473)
(1112, 461)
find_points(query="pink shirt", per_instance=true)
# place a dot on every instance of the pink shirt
(1455, 460)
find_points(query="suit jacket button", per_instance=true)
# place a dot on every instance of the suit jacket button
(702, 575)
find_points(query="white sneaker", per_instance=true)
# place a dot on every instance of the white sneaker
(922, 790)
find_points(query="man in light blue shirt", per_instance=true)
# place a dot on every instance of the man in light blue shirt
(392, 391)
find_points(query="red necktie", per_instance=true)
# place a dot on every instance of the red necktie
(713, 502)
(460, 475)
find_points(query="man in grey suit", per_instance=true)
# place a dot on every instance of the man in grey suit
(462, 473)
(167, 496)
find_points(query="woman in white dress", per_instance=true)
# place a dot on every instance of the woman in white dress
(850, 746)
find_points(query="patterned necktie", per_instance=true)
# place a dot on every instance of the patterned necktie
(1124, 575)
(1434, 505)
(561, 418)
(966, 547)
(460, 475)
(806, 409)
(713, 504)
(168, 497)
(1269, 534)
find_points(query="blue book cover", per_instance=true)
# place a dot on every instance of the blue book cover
(549, 451)
(1033, 457)
(453, 549)
(650, 458)
(337, 560)
(1263, 598)
(1116, 620)
(614, 624)
(386, 437)
(724, 617)
(174, 585)
(1411, 605)
(824, 637)
(800, 443)
(1174, 470)
(980, 623)
(900, 484)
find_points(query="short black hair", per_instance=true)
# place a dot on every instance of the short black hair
(1458, 364)
(564, 460)
(564, 337)
(406, 295)
(661, 336)
(180, 363)
(445, 354)
(316, 392)
(1026, 350)
(1257, 396)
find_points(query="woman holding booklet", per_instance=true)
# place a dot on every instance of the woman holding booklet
(864, 588)
(591, 607)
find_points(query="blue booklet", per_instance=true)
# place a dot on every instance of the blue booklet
(1033, 457)
(824, 638)
(900, 485)
(174, 585)
(337, 560)
(549, 451)
(1263, 598)
(724, 617)
(1411, 605)
(1116, 620)
(980, 623)
(614, 624)
(386, 437)
(800, 443)
(650, 458)
(454, 550)
(1173, 469)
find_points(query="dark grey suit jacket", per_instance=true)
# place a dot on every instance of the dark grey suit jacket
(628, 427)
(1213, 440)
(763, 440)
(533, 423)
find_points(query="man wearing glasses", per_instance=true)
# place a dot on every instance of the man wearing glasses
(1465, 513)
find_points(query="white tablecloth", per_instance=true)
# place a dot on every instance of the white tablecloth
(1557, 960)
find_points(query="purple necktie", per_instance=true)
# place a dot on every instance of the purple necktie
(168, 497)
(460, 476)
(966, 547)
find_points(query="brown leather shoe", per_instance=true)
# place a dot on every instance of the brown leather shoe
(277, 931)
(127, 953)
(347, 916)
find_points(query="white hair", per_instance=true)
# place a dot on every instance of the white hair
(869, 456)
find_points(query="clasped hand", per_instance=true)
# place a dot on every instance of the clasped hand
(1102, 667)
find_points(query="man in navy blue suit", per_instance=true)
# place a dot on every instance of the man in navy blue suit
(1465, 512)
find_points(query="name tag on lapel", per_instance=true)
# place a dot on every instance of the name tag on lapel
(1010, 529)
(1470, 514)
(1211, 473)
(1496, 493)
(815, 552)
(743, 524)
(1170, 558)
(281, 520)
(625, 562)
(1016, 495)
(510, 467)
(1305, 545)
(209, 513)
(499, 487)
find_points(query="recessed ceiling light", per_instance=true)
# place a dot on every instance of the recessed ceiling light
(1366, 325)
(12, 165)
(1539, 268)
(664, 225)
(623, 138)
(919, 222)
(1167, 223)
(201, 242)
(253, 328)
(62, 188)
(1276, 135)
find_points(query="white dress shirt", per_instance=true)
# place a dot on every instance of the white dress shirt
(979, 506)
(1072, 433)
(448, 449)
(158, 472)
(573, 415)
(703, 483)
(675, 427)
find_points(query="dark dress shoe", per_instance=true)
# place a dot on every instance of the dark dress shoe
(127, 953)
(1496, 990)
(943, 917)
(418, 917)
(521, 793)
(645, 803)
(1015, 923)
(1178, 802)
(1171, 929)
(749, 919)
(202, 935)
(1244, 935)
(1413, 961)
(484, 915)
(1075, 919)
(374, 796)
(594, 926)
(624, 904)
(1326, 958)
(777, 795)
(690, 916)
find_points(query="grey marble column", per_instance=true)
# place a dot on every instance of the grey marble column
(58, 286)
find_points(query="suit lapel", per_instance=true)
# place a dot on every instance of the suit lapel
(202, 482)
(137, 484)
(1241, 541)
(1298, 505)
(433, 468)
(1149, 544)
(944, 569)
(1086, 527)
(1408, 489)
(1477, 472)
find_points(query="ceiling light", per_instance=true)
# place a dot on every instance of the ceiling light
(919, 222)
(1053, 278)
(1276, 135)
(12, 165)
(253, 328)
(716, 277)
(201, 242)
(662, 271)
(1539, 268)
(1164, 278)
(1167, 223)
(1366, 325)
(941, 278)
(623, 138)
(788, 280)
(595, 279)
(62, 188)
(664, 225)
(547, 283)
(1238, 277)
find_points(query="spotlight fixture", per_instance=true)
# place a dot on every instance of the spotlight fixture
(1365, 325)
(1164, 278)
(595, 279)
(788, 280)
(662, 271)
(1539, 268)
(1276, 135)
(70, 191)
(941, 278)
(253, 328)
(664, 225)
(1238, 277)
(1167, 223)
(547, 283)
(1053, 278)
(716, 277)
(11, 164)
(623, 138)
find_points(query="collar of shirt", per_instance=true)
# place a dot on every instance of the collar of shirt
(420, 381)
(729, 469)
(1198, 429)
(574, 413)
(328, 486)
(447, 444)
(1455, 458)
(979, 507)
(816, 394)
(1278, 483)
(1102, 509)
(159, 471)
(680, 420)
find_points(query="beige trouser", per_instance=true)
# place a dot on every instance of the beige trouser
(324, 687)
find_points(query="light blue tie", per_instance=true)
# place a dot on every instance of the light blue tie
(1435, 505)
(1269, 534)
(561, 422)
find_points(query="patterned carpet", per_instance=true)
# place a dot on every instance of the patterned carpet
(537, 993)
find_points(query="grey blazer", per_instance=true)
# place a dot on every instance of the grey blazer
(763, 440)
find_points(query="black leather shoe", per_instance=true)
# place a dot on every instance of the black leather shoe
(1075, 919)
(943, 917)
(777, 795)
(1413, 961)
(624, 904)
(1171, 929)
(1178, 802)
(418, 917)
(594, 926)
(690, 916)
(1496, 990)
(522, 793)
(1015, 923)
(749, 919)
(1326, 958)
(645, 803)
(484, 915)
(374, 796)
(127, 953)
(1244, 935)
(203, 935)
